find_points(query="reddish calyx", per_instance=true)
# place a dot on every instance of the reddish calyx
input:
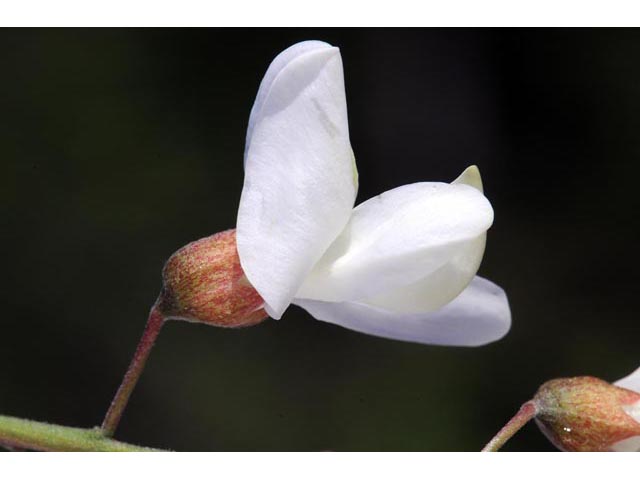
(585, 414)
(204, 282)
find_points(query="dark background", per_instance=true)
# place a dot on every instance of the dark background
(119, 146)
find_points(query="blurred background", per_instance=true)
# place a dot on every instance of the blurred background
(120, 146)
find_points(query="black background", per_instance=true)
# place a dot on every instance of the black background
(120, 146)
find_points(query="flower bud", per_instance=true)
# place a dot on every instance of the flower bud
(586, 414)
(204, 282)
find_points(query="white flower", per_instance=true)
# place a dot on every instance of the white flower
(401, 265)
(630, 382)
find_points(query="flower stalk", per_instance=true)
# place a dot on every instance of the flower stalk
(118, 404)
(527, 412)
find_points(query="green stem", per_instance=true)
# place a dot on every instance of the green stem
(120, 400)
(527, 412)
(19, 433)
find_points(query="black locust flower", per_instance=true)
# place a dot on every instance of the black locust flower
(401, 265)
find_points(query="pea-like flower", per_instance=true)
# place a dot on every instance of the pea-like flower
(401, 265)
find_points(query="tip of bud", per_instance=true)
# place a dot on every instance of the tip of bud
(586, 413)
(204, 282)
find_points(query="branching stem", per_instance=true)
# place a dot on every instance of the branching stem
(19, 434)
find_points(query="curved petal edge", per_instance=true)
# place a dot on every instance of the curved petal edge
(398, 238)
(299, 185)
(479, 315)
(630, 382)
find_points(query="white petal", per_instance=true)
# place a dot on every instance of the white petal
(445, 283)
(438, 288)
(631, 444)
(448, 281)
(633, 410)
(276, 66)
(630, 382)
(479, 315)
(300, 180)
(399, 238)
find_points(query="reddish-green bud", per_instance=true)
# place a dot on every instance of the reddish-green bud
(586, 414)
(204, 282)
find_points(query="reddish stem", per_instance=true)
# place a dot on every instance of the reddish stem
(527, 412)
(119, 402)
